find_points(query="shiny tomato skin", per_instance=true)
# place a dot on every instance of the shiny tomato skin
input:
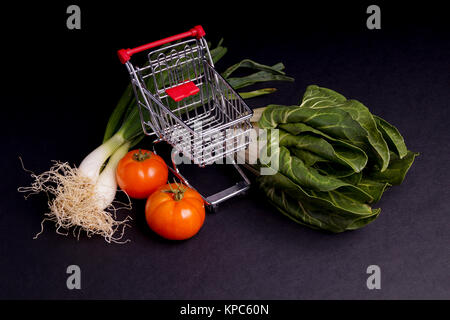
(140, 178)
(175, 219)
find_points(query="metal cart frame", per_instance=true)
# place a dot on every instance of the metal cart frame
(184, 101)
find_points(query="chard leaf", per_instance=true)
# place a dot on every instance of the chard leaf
(260, 76)
(354, 179)
(218, 52)
(392, 136)
(373, 187)
(247, 63)
(327, 211)
(362, 115)
(334, 169)
(327, 147)
(360, 222)
(317, 97)
(256, 93)
(342, 154)
(331, 121)
(397, 169)
(308, 157)
(308, 177)
(347, 199)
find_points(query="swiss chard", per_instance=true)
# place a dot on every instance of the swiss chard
(336, 160)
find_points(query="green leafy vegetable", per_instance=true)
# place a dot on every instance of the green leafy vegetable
(309, 177)
(267, 74)
(363, 116)
(331, 211)
(324, 145)
(247, 63)
(336, 160)
(392, 136)
(256, 93)
(396, 172)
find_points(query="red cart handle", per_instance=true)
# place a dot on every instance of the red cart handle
(125, 54)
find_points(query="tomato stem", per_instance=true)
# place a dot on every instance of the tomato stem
(141, 156)
(178, 193)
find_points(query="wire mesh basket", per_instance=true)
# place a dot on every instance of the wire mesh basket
(184, 101)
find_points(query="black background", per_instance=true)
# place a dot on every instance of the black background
(61, 85)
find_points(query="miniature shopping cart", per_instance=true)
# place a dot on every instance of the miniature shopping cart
(184, 101)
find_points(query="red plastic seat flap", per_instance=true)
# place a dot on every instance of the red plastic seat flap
(182, 91)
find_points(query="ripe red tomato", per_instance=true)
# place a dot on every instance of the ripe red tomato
(141, 172)
(175, 211)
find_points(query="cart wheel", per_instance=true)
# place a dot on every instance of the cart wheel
(244, 193)
(213, 208)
